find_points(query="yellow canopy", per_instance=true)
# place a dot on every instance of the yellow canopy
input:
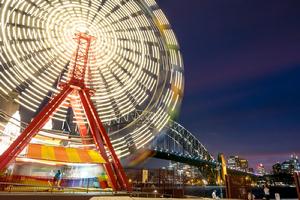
(63, 154)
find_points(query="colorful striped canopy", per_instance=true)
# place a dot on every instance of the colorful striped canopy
(63, 154)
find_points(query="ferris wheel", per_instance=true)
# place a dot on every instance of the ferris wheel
(136, 62)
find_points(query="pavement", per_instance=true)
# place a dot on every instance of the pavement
(84, 196)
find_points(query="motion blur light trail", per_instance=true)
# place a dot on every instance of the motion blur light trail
(138, 65)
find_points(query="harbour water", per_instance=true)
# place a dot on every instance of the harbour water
(286, 192)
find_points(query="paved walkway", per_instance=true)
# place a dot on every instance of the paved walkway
(83, 196)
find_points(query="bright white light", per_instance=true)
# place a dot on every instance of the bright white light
(82, 29)
(12, 128)
(11, 132)
(48, 125)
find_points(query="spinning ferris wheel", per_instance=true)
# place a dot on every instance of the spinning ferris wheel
(134, 62)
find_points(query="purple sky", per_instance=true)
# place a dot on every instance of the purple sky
(242, 75)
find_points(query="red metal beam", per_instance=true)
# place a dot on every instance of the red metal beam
(79, 68)
(98, 140)
(83, 131)
(115, 160)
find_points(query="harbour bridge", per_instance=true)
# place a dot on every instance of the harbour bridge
(173, 143)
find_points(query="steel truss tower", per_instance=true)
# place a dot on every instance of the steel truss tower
(75, 85)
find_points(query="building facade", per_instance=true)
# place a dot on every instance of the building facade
(238, 163)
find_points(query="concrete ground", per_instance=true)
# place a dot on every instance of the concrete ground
(83, 196)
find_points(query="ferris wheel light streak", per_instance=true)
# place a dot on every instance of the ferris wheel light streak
(136, 65)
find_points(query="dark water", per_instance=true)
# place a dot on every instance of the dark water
(203, 191)
(285, 192)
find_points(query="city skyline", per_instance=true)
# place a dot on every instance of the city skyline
(241, 75)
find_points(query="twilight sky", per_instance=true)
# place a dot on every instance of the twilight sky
(242, 75)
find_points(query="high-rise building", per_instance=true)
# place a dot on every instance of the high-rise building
(260, 169)
(232, 162)
(235, 162)
(244, 164)
(276, 168)
(291, 165)
(251, 170)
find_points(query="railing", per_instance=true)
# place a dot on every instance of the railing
(159, 193)
(20, 187)
(7, 187)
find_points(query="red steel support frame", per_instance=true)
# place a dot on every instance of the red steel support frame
(75, 85)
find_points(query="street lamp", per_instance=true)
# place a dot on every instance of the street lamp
(155, 193)
(219, 174)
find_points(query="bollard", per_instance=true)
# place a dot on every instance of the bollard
(277, 196)
(228, 186)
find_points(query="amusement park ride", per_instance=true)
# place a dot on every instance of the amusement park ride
(127, 59)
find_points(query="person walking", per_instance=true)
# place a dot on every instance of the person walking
(267, 192)
(251, 196)
(57, 178)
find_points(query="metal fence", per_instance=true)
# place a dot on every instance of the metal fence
(20, 187)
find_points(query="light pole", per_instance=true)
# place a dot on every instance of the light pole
(219, 174)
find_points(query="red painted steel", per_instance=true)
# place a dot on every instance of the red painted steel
(75, 85)
(85, 97)
(79, 115)
(115, 160)
(98, 140)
